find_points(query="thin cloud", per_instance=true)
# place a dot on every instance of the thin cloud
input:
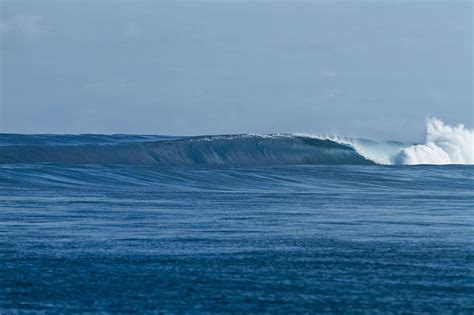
(332, 92)
(132, 30)
(28, 25)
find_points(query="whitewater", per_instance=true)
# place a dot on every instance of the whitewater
(443, 145)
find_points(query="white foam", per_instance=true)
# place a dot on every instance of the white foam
(444, 145)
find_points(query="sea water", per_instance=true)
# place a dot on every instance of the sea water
(232, 224)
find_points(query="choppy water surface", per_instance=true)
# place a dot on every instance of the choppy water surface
(270, 239)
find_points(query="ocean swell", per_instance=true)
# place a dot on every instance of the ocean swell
(444, 145)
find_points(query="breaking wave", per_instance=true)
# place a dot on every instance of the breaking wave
(239, 150)
(444, 145)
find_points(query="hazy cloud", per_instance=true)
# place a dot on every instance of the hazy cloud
(132, 30)
(110, 84)
(327, 74)
(332, 92)
(28, 25)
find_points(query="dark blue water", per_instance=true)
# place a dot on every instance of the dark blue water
(254, 239)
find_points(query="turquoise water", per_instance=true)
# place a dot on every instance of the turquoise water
(201, 238)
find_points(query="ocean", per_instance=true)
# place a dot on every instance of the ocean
(235, 224)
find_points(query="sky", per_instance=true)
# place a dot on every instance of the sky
(370, 69)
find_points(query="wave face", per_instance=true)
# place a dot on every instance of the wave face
(444, 145)
(237, 150)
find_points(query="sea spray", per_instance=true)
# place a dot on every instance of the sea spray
(444, 145)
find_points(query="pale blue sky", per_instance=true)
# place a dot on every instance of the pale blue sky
(355, 68)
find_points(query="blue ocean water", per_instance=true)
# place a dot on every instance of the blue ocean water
(231, 224)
